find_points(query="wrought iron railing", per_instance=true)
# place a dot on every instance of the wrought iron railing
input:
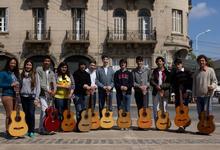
(131, 35)
(77, 35)
(38, 35)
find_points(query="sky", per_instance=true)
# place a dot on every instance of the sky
(205, 15)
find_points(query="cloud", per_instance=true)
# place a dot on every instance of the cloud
(202, 10)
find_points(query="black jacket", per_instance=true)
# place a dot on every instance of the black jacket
(81, 78)
(123, 79)
(165, 80)
(181, 78)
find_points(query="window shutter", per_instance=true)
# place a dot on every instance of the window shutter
(6, 19)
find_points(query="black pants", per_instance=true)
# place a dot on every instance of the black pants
(29, 110)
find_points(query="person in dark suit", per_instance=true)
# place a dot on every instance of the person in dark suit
(105, 83)
(82, 84)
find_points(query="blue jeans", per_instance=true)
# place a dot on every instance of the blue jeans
(29, 110)
(94, 100)
(202, 103)
(102, 99)
(61, 105)
(123, 104)
(185, 102)
(80, 102)
(157, 105)
(139, 99)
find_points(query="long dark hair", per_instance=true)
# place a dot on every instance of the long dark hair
(15, 70)
(59, 72)
(32, 73)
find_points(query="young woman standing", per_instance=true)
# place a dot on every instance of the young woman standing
(65, 88)
(30, 91)
(9, 82)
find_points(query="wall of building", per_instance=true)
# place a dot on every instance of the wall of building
(98, 18)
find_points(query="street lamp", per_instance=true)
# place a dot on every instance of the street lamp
(198, 35)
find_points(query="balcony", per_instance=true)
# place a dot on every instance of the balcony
(177, 40)
(190, 4)
(132, 37)
(37, 3)
(1, 45)
(34, 37)
(77, 38)
(74, 3)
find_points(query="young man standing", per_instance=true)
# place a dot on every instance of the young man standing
(47, 80)
(160, 80)
(141, 78)
(92, 72)
(123, 81)
(82, 84)
(204, 82)
(105, 83)
(181, 81)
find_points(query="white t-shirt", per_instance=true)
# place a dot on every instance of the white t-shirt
(160, 81)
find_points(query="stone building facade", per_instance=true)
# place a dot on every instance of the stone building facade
(74, 30)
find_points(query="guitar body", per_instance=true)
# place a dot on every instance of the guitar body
(182, 116)
(85, 121)
(124, 119)
(163, 121)
(144, 121)
(95, 122)
(106, 121)
(206, 123)
(68, 124)
(51, 121)
(18, 126)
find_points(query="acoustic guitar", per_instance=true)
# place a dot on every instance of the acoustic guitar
(18, 126)
(86, 115)
(51, 120)
(144, 119)
(95, 122)
(206, 123)
(107, 121)
(68, 124)
(182, 118)
(163, 121)
(124, 118)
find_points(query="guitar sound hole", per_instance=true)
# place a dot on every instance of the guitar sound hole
(93, 114)
(124, 114)
(144, 114)
(181, 112)
(68, 116)
(17, 118)
(86, 116)
(163, 116)
(107, 114)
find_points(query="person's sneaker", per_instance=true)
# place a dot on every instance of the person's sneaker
(122, 129)
(126, 129)
(181, 130)
(31, 134)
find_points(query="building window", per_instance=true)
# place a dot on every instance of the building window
(144, 23)
(78, 15)
(119, 16)
(146, 62)
(115, 64)
(39, 22)
(3, 19)
(177, 21)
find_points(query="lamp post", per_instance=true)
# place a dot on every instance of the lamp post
(198, 35)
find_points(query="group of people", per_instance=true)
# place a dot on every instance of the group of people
(38, 86)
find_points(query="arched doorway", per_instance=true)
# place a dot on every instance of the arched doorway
(73, 62)
(38, 59)
(3, 60)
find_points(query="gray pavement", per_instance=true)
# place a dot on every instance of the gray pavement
(116, 139)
